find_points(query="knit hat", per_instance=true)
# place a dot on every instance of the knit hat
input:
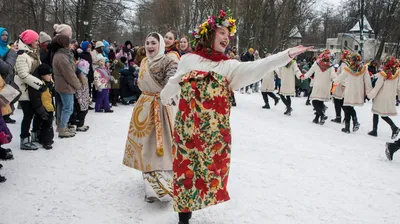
(83, 66)
(73, 41)
(99, 44)
(44, 69)
(44, 37)
(63, 29)
(251, 50)
(84, 45)
(29, 37)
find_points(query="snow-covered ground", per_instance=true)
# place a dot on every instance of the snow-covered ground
(284, 170)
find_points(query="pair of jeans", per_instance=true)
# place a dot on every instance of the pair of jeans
(102, 101)
(67, 109)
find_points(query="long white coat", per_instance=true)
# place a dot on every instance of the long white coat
(356, 87)
(268, 82)
(288, 80)
(322, 82)
(338, 93)
(384, 93)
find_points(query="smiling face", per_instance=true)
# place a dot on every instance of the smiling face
(152, 47)
(221, 39)
(169, 39)
(4, 36)
(35, 44)
(183, 44)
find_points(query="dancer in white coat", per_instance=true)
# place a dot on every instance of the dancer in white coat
(324, 73)
(338, 89)
(382, 96)
(287, 75)
(358, 84)
(268, 87)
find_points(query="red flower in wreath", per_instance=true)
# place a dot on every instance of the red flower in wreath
(220, 105)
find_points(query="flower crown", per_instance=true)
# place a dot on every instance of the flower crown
(391, 62)
(224, 19)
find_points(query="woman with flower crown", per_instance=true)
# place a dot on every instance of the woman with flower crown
(386, 88)
(356, 87)
(202, 135)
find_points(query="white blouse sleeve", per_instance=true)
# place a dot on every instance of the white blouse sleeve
(241, 74)
(173, 88)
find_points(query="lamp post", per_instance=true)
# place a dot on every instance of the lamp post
(362, 27)
(85, 23)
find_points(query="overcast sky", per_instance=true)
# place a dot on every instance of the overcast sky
(323, 3)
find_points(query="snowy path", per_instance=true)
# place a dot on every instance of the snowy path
(284, 170)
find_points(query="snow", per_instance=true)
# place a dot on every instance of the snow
(284, 170)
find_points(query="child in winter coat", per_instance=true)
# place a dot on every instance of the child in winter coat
(42, 103)
(116, 67)
(82, 97)
(102, 84)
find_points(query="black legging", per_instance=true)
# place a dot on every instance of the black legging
(28, 112)
(286, 100)
(270, 94)
(387, 119)
(349, 113)
(184, 217)
(319, 107)
(338, 106)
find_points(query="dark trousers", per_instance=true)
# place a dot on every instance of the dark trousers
(94, 94)
(349, 113)
(265, 97)
(286, 100)
(78, 116)
(102, 101)
(319, 108)
(28, 112)
(338, 106)
(114, 93)
(44, 129)
(309, 93)
(58, 103)
(387, 119)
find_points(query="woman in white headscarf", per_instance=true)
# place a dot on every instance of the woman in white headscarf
(149, 143)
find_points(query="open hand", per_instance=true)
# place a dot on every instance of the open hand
(293, 52)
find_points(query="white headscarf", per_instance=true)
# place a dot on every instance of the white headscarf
(161, 51)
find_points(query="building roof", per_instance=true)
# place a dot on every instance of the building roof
(295, 33)
(367, 27)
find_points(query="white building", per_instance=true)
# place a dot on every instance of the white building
(352, 40)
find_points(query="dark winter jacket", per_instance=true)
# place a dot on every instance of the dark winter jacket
(128, 86)
(88, 57)
(45, 57)
(42, 100)
(247, 57)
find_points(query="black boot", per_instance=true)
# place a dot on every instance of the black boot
(184, 217)
(337, 120)
(288, 111)
(395, 132)
(308, 103)
(374, 133)
(356, 125)
(276, 99)
(391, 148)
(6, 154)
(316, 119)
(2, 179)
(323, 119)
(346, 128)
(8, 119)
(265, 98)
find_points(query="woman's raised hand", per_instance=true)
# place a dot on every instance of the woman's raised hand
(293, 52)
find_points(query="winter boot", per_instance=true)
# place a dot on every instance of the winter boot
(65, 133)
(374, 133)
(34, 137)
(108, 111)
(265, 98)
(47, 146)
(184, 218)
(316, 119)
(356, 125)
(83, 128)
(337, 120)
(6, 154)
(288, 111)
(391, 148)
(346, 128)
(323, 119)
(8, 120)
(2, 179)
(72, 128)
(26, 144)
(308, 103)
(395, 132)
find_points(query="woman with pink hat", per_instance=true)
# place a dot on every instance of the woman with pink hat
(27, 61)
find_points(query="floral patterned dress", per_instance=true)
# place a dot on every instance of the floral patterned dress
(202, 142)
